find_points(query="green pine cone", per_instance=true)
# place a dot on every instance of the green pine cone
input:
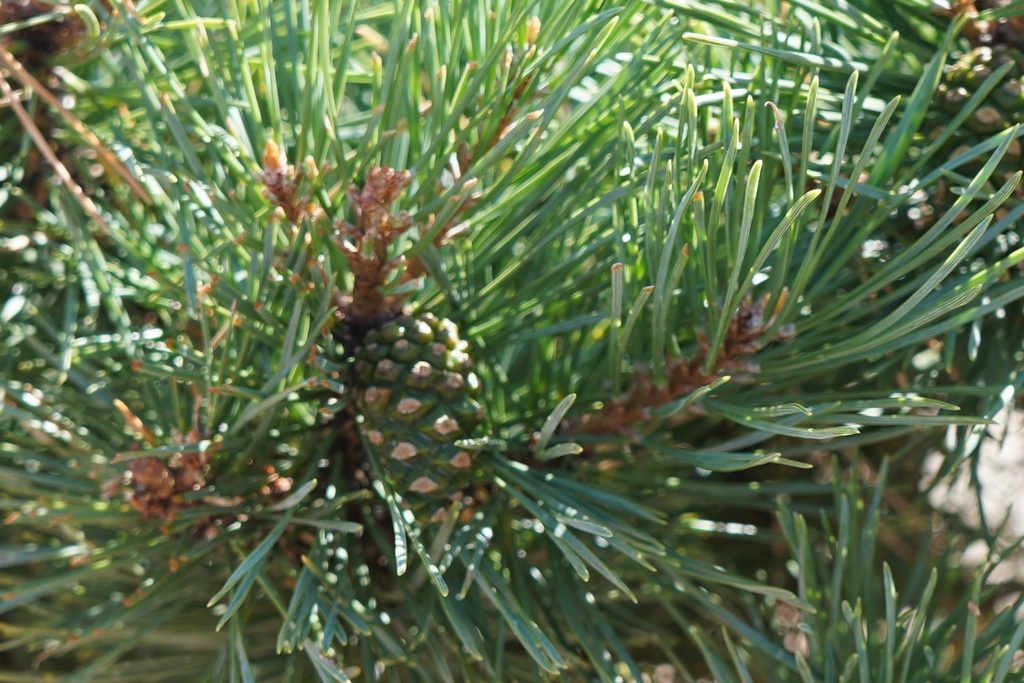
(416, 396)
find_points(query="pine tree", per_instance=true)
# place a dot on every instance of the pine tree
(511, 341)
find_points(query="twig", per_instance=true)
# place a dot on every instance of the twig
(22, 75)
(62, 172)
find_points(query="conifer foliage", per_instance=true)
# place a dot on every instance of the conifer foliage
(498, 340)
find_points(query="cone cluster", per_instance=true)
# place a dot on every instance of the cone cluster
(1002, 108)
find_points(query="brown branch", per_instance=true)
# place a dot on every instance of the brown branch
(365, 245)
(631, 414)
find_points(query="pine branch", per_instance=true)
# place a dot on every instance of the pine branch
(600, 214)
